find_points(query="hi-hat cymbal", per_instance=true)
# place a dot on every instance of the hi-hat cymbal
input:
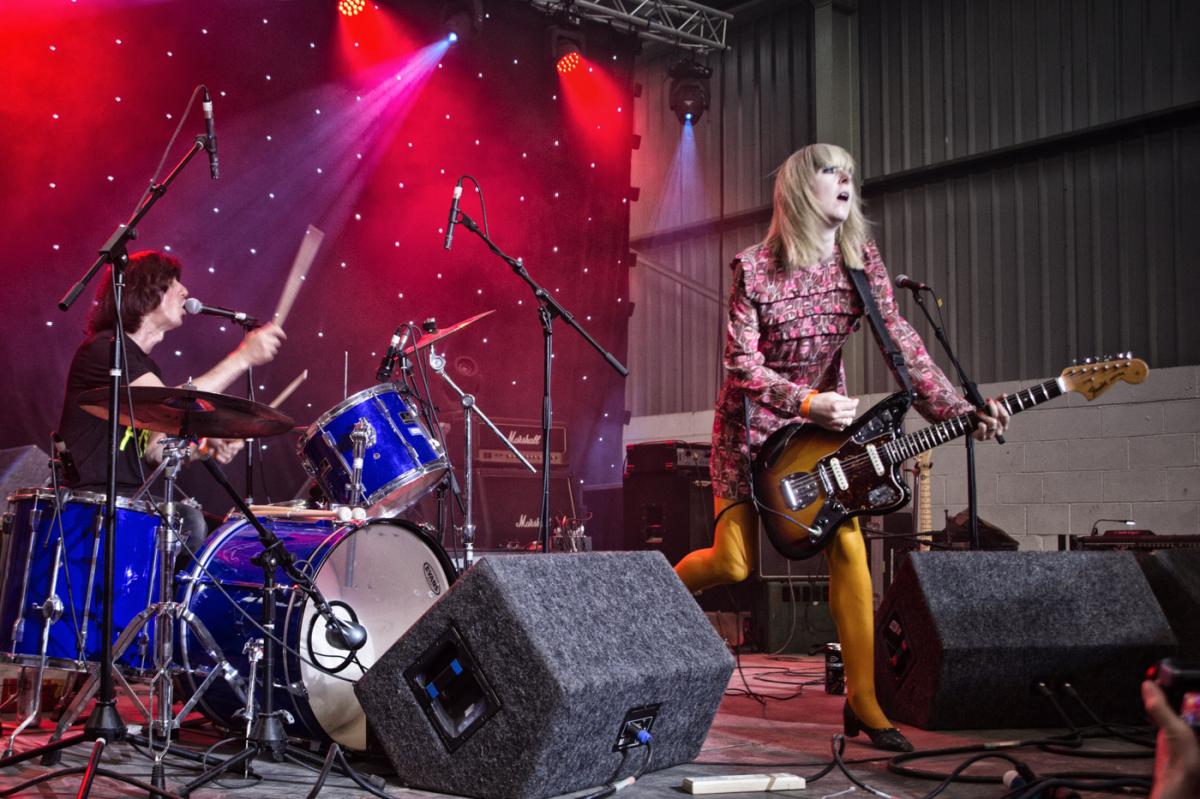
(189, 411)
(438, 335)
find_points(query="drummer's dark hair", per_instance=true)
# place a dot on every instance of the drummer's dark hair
(147, 277)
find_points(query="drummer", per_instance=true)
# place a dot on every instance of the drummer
(151, 306)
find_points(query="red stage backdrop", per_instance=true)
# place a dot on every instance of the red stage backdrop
(359, 126)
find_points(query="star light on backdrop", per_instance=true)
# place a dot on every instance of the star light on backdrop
(354, 124)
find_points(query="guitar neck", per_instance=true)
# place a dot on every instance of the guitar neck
(913, 444)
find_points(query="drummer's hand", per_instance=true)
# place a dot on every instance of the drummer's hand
(992, 423)
(224, 450)
(261, 345)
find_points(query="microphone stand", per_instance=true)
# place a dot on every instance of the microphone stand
(548, 310)
(973, 397)
(105, 722)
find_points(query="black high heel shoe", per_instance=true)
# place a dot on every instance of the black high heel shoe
(888, 739)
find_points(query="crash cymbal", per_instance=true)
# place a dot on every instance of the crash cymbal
(189, 411)
(432, 338)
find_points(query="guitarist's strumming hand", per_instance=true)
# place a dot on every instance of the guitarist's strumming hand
(831, 410)
(993, 423)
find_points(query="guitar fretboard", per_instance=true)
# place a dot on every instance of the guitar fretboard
(914, 444)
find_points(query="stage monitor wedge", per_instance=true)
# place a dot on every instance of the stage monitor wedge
(531, 676)
(963, 638)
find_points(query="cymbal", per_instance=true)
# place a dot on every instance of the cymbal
(189, 411)
(433, 338)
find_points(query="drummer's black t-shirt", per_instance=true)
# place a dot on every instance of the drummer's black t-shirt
(86, 436)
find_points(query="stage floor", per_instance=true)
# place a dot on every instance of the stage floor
(789, 729)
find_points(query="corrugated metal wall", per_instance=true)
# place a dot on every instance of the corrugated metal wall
(1030, 160)
(1037, 162)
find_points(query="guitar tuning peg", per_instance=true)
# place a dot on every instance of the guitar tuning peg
(1074, 361)
(1087, 360)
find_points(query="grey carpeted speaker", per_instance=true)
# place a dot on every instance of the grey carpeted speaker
(532, 675)
(963, 638)
(22, 467)
(1174, 576)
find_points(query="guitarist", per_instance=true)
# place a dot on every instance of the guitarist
(791, 309)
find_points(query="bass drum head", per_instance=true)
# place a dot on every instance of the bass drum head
(387, 574)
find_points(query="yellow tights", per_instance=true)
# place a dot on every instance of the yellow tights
(732, 557)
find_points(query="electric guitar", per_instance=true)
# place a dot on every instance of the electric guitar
(923, 505)
(809, 480)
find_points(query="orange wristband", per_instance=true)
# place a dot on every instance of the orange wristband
(807, 402)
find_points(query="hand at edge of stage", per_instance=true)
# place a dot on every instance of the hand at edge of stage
(1177, 753)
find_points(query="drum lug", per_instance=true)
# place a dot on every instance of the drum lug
(51, 610)
(297, 689)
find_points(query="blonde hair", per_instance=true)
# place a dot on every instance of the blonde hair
(794, 237)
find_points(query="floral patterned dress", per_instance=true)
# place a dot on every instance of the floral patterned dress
(785, 337)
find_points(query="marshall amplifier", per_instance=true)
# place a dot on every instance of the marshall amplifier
(526, 436)
(508, 505)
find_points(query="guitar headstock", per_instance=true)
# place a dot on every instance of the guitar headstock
(1095, 375)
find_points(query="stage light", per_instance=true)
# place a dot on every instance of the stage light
(351, 8)
(569, 62)
(462, 19)
(689, 90)
(566, 45)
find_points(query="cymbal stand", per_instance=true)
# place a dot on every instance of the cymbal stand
(165, 612)
(470, 409)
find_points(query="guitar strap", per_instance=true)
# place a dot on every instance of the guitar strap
(895, 358)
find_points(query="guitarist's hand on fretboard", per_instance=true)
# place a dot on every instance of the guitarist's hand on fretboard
(993, 423)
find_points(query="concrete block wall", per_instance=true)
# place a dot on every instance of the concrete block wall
(1132, 453)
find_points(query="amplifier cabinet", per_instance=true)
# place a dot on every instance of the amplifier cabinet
(508, 505)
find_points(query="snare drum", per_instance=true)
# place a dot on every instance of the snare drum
(401, 463)
(384, 574)
(53, 578)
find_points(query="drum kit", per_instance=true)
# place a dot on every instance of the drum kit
(283, 609)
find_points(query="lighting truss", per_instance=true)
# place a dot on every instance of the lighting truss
(680, 23)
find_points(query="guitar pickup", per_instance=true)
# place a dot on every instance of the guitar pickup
(876, 461)
(839, 475)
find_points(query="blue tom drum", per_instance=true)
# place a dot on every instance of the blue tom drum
(385, 574)
(402, 460)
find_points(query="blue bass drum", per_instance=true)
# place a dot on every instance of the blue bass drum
(402, 462)
(384, 574)
(53, 576)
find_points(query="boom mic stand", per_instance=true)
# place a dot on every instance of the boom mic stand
(973, 397)
(548, 310)
(105, 722)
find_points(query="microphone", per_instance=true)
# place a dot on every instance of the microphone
(65, 459)
(211, 136)
(906, 282)
(194, 306)
(395, 347)
(345, 634)
(453, 213)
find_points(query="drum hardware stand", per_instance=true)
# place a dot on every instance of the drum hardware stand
(105, 722)
(470, 409)
(548, 310)
(51, 611)
(266, 734)
(164, 613)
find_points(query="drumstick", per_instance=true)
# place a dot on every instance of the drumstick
(287, 392)
(304, 258)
